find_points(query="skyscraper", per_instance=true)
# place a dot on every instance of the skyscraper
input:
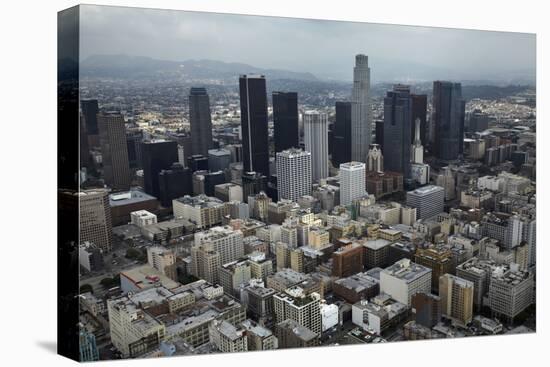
(420, 172)
(361, 115)
(95, 222)
(201, 121)
(397, 130)
(352, 182)
(285, 120)
(293, 174)
(448, 120)
(419, 111)
(157, 155)
(253, 98)
(342, 134)
(90, 109)
(316, 142)
(174, 183)
(114, 151)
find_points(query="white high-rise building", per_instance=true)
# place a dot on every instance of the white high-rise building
(361, 115)
(316, 142)
(417, 148)
(420, 172)
(352, 182)
(293, 174)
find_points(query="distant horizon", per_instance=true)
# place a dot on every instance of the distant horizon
(323, 48)
(491, 82)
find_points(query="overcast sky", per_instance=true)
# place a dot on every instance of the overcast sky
(324, 48)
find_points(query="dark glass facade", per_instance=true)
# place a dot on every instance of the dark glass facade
(157, 155)
(342, 134)
(397, 130)
(448, 120)
(174, 183)
(419, 110)
(285, 120)
(200, 121)
(253, 98)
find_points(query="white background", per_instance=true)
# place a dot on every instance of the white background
(28, 179)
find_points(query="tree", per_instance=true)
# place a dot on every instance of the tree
(133, 253)
(107, 282)
(85, 288)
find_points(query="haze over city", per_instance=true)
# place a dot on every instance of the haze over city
(324, 48)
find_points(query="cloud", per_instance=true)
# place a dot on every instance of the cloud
(325, 48)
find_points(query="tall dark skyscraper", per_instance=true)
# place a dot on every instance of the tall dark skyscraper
(200, 120)
(397, 130)
(253, 97)
(342, 134)
(448, 120)
(90, 109)
(133, 141)
(379, 131)
(174, 183)
(157, 155)
(419, 111)
(114, 151)
(285, 120)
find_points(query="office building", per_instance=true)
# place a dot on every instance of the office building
(259, 337)
(124, 203)
(294, 174)
(342, 134)
(226, 337)
(304, 309)
(95, 221)
(90, 109)
(197, 162)
(219, 159)
(439, 259)
(205, 263)
(142, 218)
(361, 115)
(478, 121)
(358, 286)
(426, 309)
(291, 334)
(378, 314)
(260, 302)
(285, 120)
(253, 98)
(114, 151)
(316, 142)
(200, 121)
(428, 200)
(457, 299)
(227, 192)
(352, 182)
(404, 279)
(225, 240)
(174, 183)
(510, 291)
(448, 120)
(203, 211)
(253, 183)
(157, 155)
(233, 275)
(397, 130)
(87, 346)
(347, 260)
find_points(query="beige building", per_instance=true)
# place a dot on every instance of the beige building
(163, 260)
(318, 238)
(259, 337)
(203, 211)
(457, 298)
(205, 263)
